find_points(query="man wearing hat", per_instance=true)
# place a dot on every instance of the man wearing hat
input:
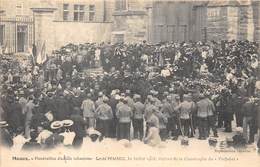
(63, 107)
(162, 124)
(167, 109)
(185, 109)
(99, 101)
(78, 127)
(249, 116)
(124, 115)
(138, 113)
(202, 114)
(212, 116)
(149, 111)
(105, 116)
(113, 101)
(22, 100)
(14, 114)
(130, 101)
(157, 102)
(88, 107)
(237, 103)
(5, 137)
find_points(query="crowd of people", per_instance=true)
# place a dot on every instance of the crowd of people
(162, 91)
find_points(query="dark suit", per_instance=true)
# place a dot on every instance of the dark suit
(5, 138)
(79, 128)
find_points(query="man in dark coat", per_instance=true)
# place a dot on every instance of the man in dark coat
(63, 108)
(15, 119)
(237, 102)
(258, 122)
(48, 103)
(227, 111)
(249, 115)
(5, 137)
(78, 127)
(113, 101)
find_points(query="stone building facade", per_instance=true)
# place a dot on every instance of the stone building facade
(54, 23)
(230, 20)
(184, 20)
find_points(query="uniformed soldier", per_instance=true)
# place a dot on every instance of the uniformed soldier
(138, 114)
(149, 113)
(124, 115)
(185, 109)
(88, 107)
(105, 116)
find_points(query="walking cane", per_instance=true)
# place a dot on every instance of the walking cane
(191, 124)
(179, 120)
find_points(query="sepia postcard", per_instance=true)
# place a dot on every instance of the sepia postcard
(158, 83)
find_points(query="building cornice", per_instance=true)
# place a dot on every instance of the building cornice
(41, 10)
(129, 13)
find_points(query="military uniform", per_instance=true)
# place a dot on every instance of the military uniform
(138, 113)
(88, 107)
(105, 117)
(185, 108)
(202, 114)
(124, 115)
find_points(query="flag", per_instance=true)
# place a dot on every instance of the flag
(41, 56)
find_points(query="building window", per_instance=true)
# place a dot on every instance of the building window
(65, 12)
(91, 12)
(79, 12)
(121, 5)
(2, 30)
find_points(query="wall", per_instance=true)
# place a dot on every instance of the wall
(44, 29)
(232, 22)
(177, 21)
(77, 32)
(256, 16)
(130, 24)
(217, 23)
(199, 23)
(133, 27)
